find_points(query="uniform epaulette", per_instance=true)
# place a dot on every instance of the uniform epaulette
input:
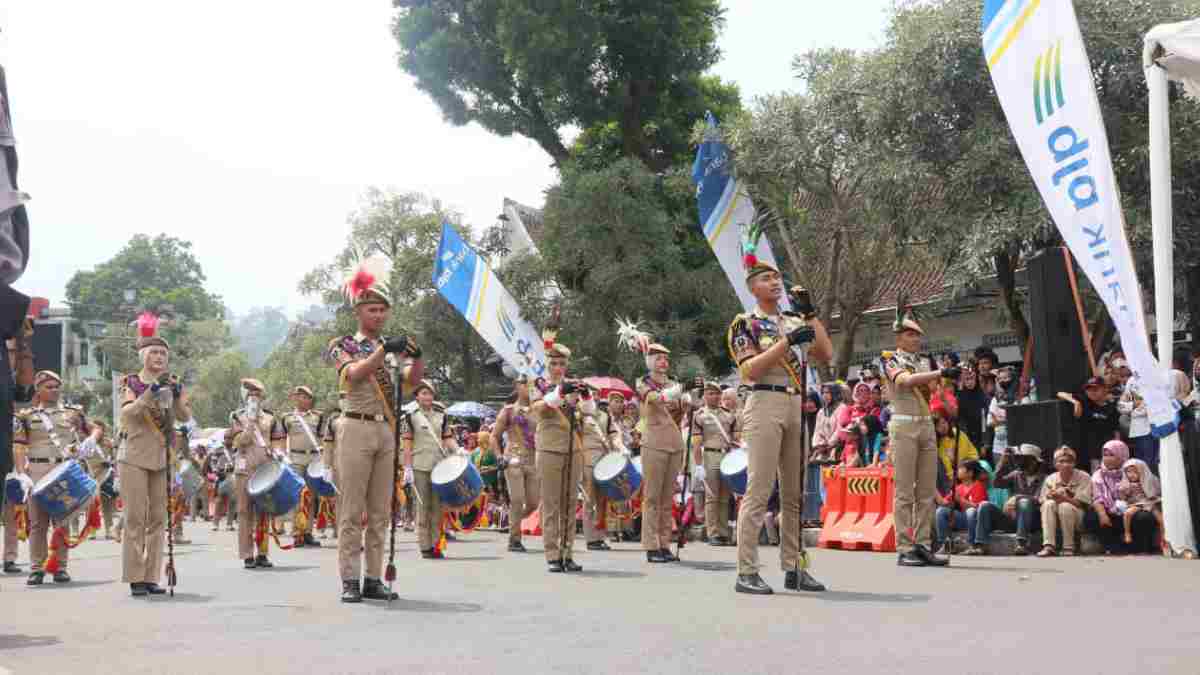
(439, 406)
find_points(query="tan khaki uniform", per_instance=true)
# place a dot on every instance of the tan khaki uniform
(560, 463)
(46, 449)
(596, 444)
(142, 462)
(426, 430)
(713, 429)
(251, 455)
(913, 451)
(98, 465)
(662, 460)
(771, 434)
(521, 476)
(366, 454)
(329, 457)
(301, 452)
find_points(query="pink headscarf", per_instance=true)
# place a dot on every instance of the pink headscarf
(1105, 482)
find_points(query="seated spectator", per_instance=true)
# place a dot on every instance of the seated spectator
(1065, 496)
(946, 440)
(871, 441)
(1139, 492)
(1105, 516)
(1021, 473)
(847, 424)
(1098, 419)
(963, 508)
(1144, 444)
(825, 431)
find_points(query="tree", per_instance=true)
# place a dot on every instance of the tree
(535, 67)
(163, 272)
(259, 332)
(217, 388)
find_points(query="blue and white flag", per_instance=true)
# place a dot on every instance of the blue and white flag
(468, 283)
(1043, 78)
(726, 212)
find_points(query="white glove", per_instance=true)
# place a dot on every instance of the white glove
(554, 397)
(698, 473)
(408, 475)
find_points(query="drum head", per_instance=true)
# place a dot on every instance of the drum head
(610, 466)
(637, 464)
(734, 462)
(264, 478)
(316, 469)
(55, 474)
(449, 469)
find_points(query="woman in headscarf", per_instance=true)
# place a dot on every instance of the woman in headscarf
(1105, 517)
(825, 430)
(847, 424)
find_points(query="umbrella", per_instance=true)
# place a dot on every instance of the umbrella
(607, 385)
(470, 409)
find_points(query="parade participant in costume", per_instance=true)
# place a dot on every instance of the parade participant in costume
(45, 435)
(600, 436)
(515, 425)
(328, 505)
(765, 343)
(259, 438)
(559, 454)
(712, 436)
(177, 502)
(662, 441)
(366, 364)
(218, 467)
(620, 514)
(303, 427)
(908, 378)
(100, 461)
(153, 401)
(427, 441)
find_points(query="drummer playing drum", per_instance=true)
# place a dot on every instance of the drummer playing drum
(427, 440)
(255, 446)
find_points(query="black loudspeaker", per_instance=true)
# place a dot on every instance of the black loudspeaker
(1046, 424)
(1060, 361)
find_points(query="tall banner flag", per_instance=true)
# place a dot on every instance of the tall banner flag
(727, 214)
(468, 283)
(1043, 78)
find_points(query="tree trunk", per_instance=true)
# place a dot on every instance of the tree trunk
(633, 137)
(1006, 277)
(834, 272)
(1192, 279)
(841, 360)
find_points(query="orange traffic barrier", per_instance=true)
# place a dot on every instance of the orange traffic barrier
(858, 513)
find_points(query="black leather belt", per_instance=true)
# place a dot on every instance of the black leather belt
(364, 417)
(305, 452)
(713, 450)
(776, 388)
(43, 460)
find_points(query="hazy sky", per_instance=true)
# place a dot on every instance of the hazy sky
(251, 128)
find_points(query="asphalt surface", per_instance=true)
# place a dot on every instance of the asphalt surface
(485, 610)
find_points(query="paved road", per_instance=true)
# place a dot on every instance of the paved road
(484, 610)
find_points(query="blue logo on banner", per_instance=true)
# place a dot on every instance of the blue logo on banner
(454, 274)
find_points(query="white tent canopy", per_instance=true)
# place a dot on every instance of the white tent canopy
(1171, 51)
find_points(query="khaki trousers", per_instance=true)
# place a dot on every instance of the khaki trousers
(914, 454)
(1064, 515)
(559, 499)
(108, 507)
(429, 510)
(144, 493)
(40, 525)
(660, 468)
(773, 443)
(247, 520)
(10, 532)
(366, 455)
(523, 497)
(716, 497)
(595, 503)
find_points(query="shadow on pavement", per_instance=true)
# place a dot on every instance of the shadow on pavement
(707, 566)
(22, 641)
(981, 568)
(608, 574)
(187, 598)
(291, 568)
(405, 605)
(50, 585)
(855, 596)
(470, 558)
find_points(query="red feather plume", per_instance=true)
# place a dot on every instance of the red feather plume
(360, 283)
(147, 324)
(750, 260)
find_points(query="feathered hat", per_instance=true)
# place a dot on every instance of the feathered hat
(550, 336)
(906, 317)
(750, 235)
(368, 280)
(639, 341)
(147, 325)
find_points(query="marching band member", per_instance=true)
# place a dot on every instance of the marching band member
(258, 437)
(518, 460)
(329, 458)
(761, 343)
(152, 402)
(599, 438)
(712, 436)
(366, 434)
(101, 460)
(427, 440)
(559, 457)
(303, 427)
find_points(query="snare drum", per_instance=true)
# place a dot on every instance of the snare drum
(225, 488)
(735, 470)
(456, 481)
(275, 488)
(16, 488)
(318, 479)
(616, 476)
(65, 490)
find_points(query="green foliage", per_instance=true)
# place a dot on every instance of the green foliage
(533, 67)
(259, 332)
(163, 271)
(217, 388)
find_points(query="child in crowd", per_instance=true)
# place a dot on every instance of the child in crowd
(1138, 491)
(966, 499)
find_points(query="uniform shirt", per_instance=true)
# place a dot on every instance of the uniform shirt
(517, 423)
(251, 454)
(56, 441)
(428, 431)
(660, 417)
(752, 334)
(145, 426)
(298, 442)
(329, 438)
(372, 395)
(715, 426)
(553, 433)
(912, 401)
(592, 426)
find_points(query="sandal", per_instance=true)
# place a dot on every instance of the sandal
(1046, 552)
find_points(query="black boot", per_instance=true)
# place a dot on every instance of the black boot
(571, 566)
(802, 581)
(263, 562)
(11, 567)
(36, 578)
(911, 559)
(61, 577)
(753, 584)
(350, 591)
(666, 555)
(600, 545)
(556, 566)
(249, 563)
(153, 588)
(137, 590)
(309, 541)
(373, 589)
(655, 557)
(516, 547)
(929, 558)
